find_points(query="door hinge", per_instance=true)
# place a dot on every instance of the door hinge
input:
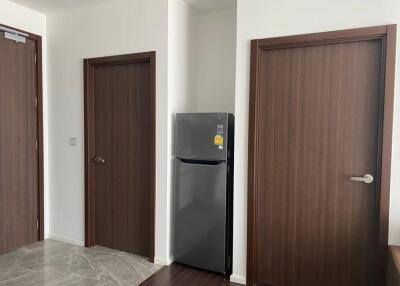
(37, 224)
(36, 144)
(36, 101)
(35, 58)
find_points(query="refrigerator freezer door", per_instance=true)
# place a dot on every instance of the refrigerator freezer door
(201, 136)
(200, 215)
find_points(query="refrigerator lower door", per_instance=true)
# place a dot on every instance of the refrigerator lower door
(200, 215)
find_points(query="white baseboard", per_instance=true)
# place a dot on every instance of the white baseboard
(162, 261)
(238, 279)
(67, 240)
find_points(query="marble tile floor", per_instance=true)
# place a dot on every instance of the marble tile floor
(57, 263)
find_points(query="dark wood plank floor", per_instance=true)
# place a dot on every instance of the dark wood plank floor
(179, 275)
(393, 268)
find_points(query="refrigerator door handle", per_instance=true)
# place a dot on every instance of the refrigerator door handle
(201, 162)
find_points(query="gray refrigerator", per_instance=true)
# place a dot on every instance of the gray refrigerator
(203, 190)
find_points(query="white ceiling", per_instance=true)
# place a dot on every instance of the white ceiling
(48, 6)
(212, 5)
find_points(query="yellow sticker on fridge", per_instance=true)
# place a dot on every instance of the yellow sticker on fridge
(218, 140)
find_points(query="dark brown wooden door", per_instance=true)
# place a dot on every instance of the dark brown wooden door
(318, 122)
(124, 154)
(18, 148)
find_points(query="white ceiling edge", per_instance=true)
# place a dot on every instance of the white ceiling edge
(54, 6)
(212, 5)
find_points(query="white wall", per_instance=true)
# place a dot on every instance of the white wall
(23, 18)
(181, 22)
(201, 67)
(117, 27)
(214, 61)
(31, 21)
(271, 18)
(202, 58)
(180, 98)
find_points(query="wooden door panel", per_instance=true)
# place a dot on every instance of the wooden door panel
(105, 175)
(123, 139)
(320, 127)
(318, 109)
(18, 152)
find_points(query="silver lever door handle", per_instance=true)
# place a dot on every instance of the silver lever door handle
(367, 178)
(98, 159)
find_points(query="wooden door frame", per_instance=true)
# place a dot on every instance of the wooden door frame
(387, 36)
(89, 66)
(39, 113)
